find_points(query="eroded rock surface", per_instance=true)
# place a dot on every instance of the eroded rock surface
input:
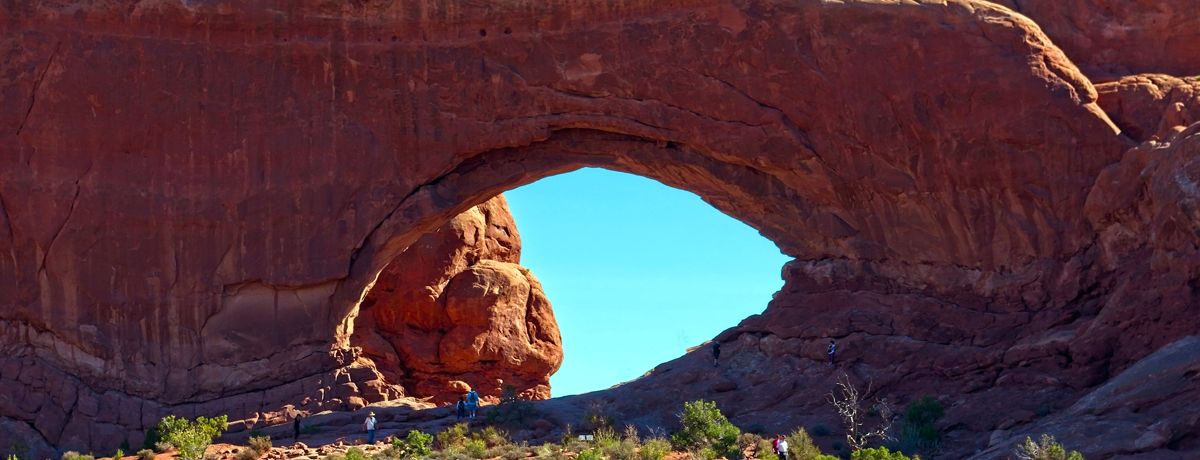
(196, 196)
(1109, 39)
(456, 308)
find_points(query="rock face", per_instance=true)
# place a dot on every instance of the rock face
(1113, 38)
(197, 196)
(456, 307)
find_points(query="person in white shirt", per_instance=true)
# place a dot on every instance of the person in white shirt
(783, 449)
(369, 425)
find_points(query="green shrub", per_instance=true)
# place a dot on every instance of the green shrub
(452, 437)
(492, 436)
(595, 417)
(606, 438)
(476, 448)
(704, 426)
(145, 454)
(260, 444)
(1047, 449)
(654, 449)
(548, 450)
(192, 437)
(162, 446)
(801, 446)
(877, 453)
(918, 429)
(72, 455)
(416, 444)
(12, 457)
(591, 453)
(765, 450)
(355, 453)
(704, 453)
(248, 454)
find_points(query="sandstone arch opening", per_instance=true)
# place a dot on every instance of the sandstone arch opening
(640, 271)
(284, 156)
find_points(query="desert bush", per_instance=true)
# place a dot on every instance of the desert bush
(591, 453)
(654, 449)
(704, 426)
(801, 446)
(512, 411)
(509, 451)
(191, 437)
(72, 455)
(145, 454)
(878, 453)
(492, 436)
(624, 449)
(703, 453)
(12, 457)
(765, 450)
(260, 444)
(475, 448)
(1046, 449)
(248, 454)
(606, 438)
(549, 450)
(162, 446)
(355, 453)
(595, 417)
(416, 444)
(452, 437)
(918, 429)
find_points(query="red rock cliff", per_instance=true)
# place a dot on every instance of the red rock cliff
(196, 196)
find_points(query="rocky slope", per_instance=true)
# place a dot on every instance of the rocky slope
(197, 196)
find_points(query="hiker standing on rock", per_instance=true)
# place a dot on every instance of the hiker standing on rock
(369, 425)
(832, 351)
(472, 402)
(461, 407)
(716, 349)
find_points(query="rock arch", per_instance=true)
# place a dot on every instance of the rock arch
(171, 167)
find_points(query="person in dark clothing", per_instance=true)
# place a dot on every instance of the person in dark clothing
(461, 407)
(716, 349)
(832, 351)
(296, 427)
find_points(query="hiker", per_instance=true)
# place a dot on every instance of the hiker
(775, 444)
(369, 425)
(472, 403)
(296, 427)
(461, 407)
(716, 349)
(832, 351)
(783, 448)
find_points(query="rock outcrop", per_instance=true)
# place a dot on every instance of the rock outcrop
(455, 310)
(197, 196)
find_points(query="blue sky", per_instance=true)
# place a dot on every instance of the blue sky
(636, 271)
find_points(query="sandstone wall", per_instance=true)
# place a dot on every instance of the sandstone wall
(182, 181)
